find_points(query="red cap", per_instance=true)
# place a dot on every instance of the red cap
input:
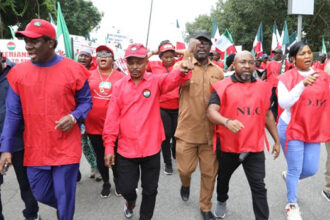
(136, 50)
(104, 47)
(38, 28)
(166, 47)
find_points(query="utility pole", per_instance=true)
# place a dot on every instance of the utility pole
(149, 23)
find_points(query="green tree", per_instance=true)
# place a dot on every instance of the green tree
(242, 17)
(81, 16)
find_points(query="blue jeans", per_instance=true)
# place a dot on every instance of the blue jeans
(302, 159)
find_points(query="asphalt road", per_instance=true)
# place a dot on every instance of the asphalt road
(169, 205)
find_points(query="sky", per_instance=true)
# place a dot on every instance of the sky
(131, 17)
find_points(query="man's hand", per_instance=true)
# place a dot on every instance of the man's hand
(186, 66)
(5, 158)
(193, 44)
(276, 150)
(234, 126)
(65, 123)
(109, 160)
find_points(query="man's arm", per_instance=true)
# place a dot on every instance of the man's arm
(13, 120)
(111, 128)
(271, 127)
(84, 104)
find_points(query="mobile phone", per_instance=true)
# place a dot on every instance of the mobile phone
(243, 156)
(5, 168)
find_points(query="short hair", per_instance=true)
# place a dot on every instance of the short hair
(294, 49)
(46, 38)
(230, 59)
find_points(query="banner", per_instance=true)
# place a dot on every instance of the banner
(14, 50)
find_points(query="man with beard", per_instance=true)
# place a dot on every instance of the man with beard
(239, 107)
(52, 93)
(133, 117)
(194, 131)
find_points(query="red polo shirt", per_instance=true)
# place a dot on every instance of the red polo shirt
(134, 114)
(168, 100)
(101, 96)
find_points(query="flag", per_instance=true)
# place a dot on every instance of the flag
(292, 39)
(257, 43)
(285, 44)
(215, 31)
(180, 45)
(275, 39)
(12, 32)
(63, 36)
(324, 49)
(225, 45)
(51, 19)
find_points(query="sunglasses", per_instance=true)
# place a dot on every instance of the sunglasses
(103, 54)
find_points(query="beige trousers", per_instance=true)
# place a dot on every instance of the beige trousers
(187, 157)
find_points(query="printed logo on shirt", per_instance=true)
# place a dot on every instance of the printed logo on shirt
(248, 111)
(146, 93)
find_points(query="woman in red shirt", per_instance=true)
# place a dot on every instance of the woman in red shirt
(169, 102)
(101, 81)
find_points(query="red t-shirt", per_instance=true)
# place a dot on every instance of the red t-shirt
(220, 64)
(101, 93)
(134, 114)
(47, 94)
(168, 100)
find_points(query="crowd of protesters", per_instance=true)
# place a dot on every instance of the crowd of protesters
(191, 107)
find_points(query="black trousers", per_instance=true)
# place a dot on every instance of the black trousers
(129, 174)
(274, 103)
(170, 121)
(254, 168)
(98, 147)
(31, 205)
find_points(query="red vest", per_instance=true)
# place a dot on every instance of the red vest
(247, 103)
(311, 113)
(47, 94)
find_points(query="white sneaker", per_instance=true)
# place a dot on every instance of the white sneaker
(293, 212)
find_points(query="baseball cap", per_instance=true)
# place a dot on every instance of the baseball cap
(104, 47)
(136, 50)
(202, 34)
(277, 50)
(37, 28)
(166, 47)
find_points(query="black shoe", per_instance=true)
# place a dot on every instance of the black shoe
(79, 176)
(168, 169)
(207, 215)
(184, 192)
(105, 193)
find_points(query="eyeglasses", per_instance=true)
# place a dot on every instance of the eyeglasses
(103, 54)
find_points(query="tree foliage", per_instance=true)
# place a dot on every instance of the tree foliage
(242, 18)
(81, 16)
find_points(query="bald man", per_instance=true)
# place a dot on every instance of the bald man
(240, 132)
(326, 190)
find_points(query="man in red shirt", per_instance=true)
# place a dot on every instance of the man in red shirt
(320, 64)
(239, 107)
(50, 94)
(134, 118)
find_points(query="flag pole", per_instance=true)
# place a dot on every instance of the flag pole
(149, 23)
